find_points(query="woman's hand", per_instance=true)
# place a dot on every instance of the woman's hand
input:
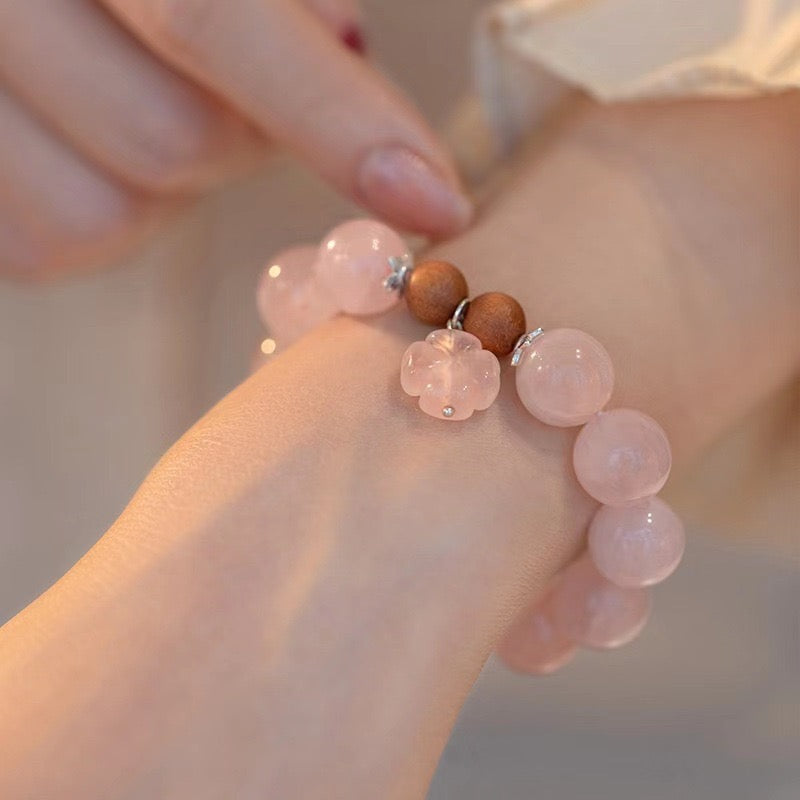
(113, 112)
(301, 594)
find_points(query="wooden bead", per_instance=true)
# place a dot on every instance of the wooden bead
(433, 291)
(497, 320)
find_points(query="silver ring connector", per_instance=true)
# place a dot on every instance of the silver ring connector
(456, 322)
(526, 340)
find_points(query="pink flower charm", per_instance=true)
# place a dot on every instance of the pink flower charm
(451, 374)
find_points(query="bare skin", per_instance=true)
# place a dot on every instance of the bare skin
(115, 113)
(301, 594)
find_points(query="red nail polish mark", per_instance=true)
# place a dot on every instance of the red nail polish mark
(353, 38)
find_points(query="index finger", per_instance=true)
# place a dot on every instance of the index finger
(277, 64)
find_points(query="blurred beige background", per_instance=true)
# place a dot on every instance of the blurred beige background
(98, 376)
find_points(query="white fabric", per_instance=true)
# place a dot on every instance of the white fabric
(530, 53)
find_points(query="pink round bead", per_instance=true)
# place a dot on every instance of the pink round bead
(534, 645)
(637, 545)
(564, 377)
(289, 298)
(621, 456)
(353, 263)
(594, 612)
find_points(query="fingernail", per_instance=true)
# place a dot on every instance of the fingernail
(405, 189)
(353, 38)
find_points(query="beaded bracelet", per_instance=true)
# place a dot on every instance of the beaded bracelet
(564, 377)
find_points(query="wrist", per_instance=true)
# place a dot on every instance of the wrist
(289, 532)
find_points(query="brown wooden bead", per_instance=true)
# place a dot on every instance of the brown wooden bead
(497, 320)
(433, 291)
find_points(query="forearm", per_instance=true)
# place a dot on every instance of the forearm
(364, 614)
(305, 588)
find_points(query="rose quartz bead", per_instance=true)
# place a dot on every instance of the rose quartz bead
(534, 645)
(621, 456)
(451, 374)
(353, 263)
(594, 612)
(289, 298)
(637, 545)
(564, 377)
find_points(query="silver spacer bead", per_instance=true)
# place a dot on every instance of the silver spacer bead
(456, 322)
(448, 411)
(526, 340)
(401, 267)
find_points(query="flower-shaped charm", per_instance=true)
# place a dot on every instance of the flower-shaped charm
(451, 374)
